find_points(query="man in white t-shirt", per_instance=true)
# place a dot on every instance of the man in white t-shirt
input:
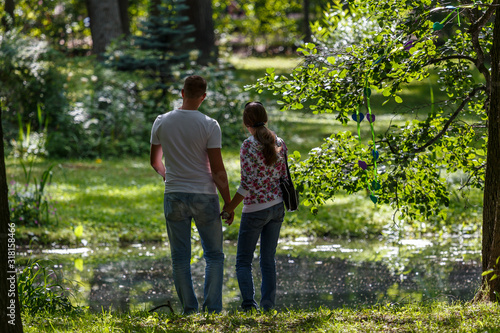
(193, 172)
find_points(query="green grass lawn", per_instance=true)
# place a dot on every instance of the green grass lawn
(121, 201)
(436, 317)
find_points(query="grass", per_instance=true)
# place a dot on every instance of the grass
(121, 201)
(433, 317)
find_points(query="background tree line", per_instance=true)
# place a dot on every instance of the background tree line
(47, 44)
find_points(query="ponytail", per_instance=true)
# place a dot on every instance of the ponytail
(255, 116)
(268, 139)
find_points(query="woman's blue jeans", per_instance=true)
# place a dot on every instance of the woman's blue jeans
(180, 209)
(265, 223)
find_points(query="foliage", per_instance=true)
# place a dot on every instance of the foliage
(274, 24)
(65, 24)
(109, 116)
(421, 317)
(161, 48)
(28, 202)
(40, 291)
(61, 23)
(494, 271)
(31, 85)
(28, 143)
(399, 46)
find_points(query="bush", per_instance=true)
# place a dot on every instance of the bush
(28, 203)
(40, 290)
(30, 83)
(109, 115)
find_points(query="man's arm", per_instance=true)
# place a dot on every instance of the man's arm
(219, 175)
(155, 158)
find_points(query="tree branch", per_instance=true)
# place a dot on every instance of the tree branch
(451, 57)
(452, 118)
(474, 31)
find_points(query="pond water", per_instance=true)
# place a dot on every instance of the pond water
(333, 274)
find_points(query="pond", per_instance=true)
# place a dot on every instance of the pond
(332, 274)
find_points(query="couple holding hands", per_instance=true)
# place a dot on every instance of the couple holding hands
(193, 171)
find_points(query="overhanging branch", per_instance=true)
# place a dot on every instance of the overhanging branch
(452, 57)
(452, 118)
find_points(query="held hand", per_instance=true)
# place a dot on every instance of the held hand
(230, 220)
(228, 217)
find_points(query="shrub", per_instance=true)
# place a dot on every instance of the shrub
(28, 202)
(40, 290)
(30, 83)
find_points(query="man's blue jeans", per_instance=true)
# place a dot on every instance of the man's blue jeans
(180, 209)
(265, 223)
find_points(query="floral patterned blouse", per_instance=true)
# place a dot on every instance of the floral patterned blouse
(259, 182)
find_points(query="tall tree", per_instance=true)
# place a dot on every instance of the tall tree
(162, 47)
(9, 11)
(124, 17)
(405, 43)
(200, 16)
(105, 23)
(307, 25)
(10, 311)
(491, 201)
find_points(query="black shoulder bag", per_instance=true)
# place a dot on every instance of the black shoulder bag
(290, 195)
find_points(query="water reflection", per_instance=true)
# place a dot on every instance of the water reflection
(331, 275)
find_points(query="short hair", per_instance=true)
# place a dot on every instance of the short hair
(194, 86)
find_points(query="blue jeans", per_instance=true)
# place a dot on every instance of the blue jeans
(180, 209)
(265, 223)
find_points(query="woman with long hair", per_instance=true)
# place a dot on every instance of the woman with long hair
(262, 159)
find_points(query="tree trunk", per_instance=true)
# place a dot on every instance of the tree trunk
(491, 201)
(124, 17)
(307, 25)
(9, 10)
(10, 311)
(200, 16)
(105, 23)
(153, 9)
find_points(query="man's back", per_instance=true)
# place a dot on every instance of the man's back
(185, 136)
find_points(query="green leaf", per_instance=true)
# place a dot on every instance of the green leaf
(487, 272)
(79, 231)
(310, 46)
(398, 99)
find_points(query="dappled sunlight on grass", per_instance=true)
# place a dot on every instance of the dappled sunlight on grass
(416, 317)
(122, 200)
(280, 63)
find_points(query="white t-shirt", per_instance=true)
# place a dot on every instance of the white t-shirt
(185, 136)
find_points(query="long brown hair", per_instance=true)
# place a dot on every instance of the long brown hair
(255, 116)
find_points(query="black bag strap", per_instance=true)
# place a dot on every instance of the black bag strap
(287, 169)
